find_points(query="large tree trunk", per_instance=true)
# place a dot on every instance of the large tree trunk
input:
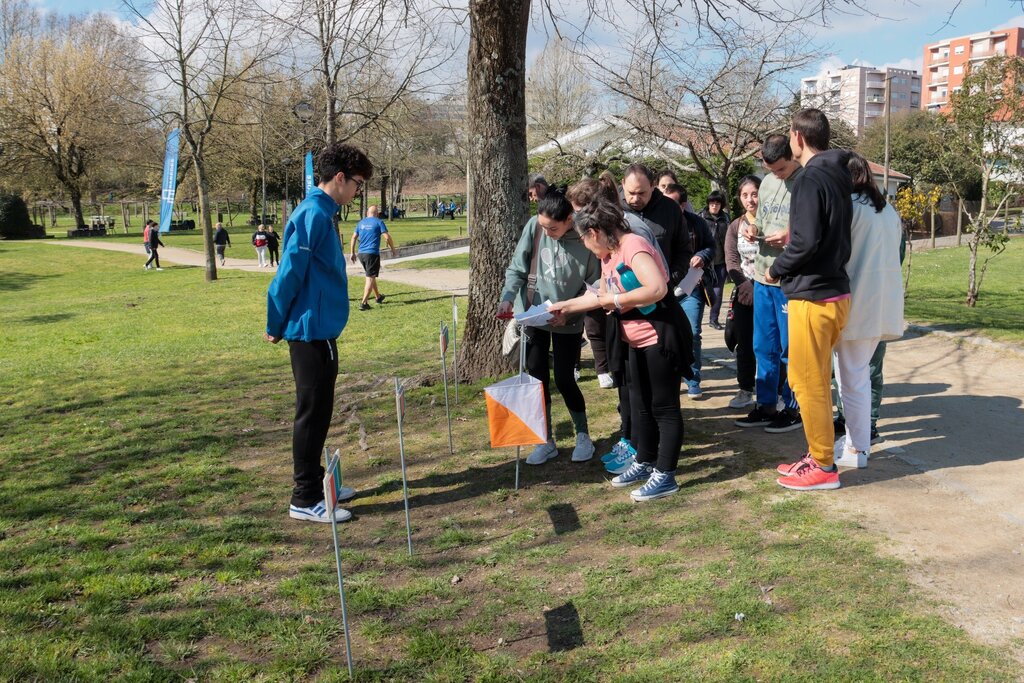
(76, 204)
(496, 108)
(205, 220)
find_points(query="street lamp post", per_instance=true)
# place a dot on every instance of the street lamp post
(888, 111)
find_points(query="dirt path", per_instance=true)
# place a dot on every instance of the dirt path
(447, 280)
(945, 487)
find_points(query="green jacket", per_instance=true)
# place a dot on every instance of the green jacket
(564, 268)
(772, 217)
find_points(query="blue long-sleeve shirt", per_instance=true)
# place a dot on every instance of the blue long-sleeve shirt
(308, 297)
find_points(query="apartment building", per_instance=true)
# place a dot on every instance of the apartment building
(946, 61)
(857, 93)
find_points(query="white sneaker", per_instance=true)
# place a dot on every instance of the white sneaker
(146, 267)
(542, 453)
(742, 399)
(318, 513)
(845, 458)
(605, 381)
(159, 268)
(584, 450)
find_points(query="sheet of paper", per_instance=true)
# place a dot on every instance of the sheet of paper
(535, 316)
(687, 284)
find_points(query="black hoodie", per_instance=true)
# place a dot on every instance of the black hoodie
(670, 229)
(813, 265)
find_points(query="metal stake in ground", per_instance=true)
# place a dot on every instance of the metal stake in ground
(522, 366)
(332, 490)
(455, 346)
(400, 411)
(444, 375)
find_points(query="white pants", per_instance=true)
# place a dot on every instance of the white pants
(261, 254)
(853, 375)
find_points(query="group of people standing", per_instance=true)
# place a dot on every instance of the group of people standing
(815, 265)
(267, 243)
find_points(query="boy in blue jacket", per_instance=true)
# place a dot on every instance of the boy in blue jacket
(307, 305)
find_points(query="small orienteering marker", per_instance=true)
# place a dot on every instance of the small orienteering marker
(400, 411)
(455, 346)
(332, 491)
(444, 375)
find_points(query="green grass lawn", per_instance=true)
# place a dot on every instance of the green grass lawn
(454, 262)
(144, 481)
(938, 289)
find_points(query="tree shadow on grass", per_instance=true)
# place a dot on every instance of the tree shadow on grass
(15, 282)
(46, 319)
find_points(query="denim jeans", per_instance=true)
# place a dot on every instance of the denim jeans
(693, 307)
(771, 344)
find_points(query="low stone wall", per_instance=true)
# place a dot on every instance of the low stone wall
(426, 248)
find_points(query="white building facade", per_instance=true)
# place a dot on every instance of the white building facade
(856, 94)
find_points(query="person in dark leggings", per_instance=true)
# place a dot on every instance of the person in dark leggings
(154, 244)
(551, 263)
(739, 263)
(643, 314)
(273, 246)
(580, 194)
(717, 218)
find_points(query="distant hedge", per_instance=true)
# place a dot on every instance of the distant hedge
(14, 221)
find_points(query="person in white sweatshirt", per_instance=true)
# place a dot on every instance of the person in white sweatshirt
(876, 307)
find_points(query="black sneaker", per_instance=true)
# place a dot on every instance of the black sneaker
(758, 417)
(364, 307)
(786, 421)
(875, 436)
(717, 325)
(839, 426)
(380, 299)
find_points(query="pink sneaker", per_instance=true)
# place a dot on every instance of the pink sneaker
(811, 478)
(788, 469)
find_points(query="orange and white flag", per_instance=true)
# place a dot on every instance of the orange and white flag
(515, 412)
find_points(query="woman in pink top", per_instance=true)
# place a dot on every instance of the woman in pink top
(645, 320)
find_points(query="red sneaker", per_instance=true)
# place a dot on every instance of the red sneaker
(810, 478)
(788, 469)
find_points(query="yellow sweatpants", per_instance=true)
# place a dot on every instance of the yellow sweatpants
(814, 330)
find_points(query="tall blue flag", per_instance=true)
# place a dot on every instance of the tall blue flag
(170, 183)
(308, 174)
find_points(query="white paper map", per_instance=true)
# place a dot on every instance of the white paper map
(687, 284)
(535, 316)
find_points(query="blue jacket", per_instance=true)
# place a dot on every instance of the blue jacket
(308, 298)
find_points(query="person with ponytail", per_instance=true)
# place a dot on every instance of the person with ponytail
(646, 323)
(551, 250)
(876, 308)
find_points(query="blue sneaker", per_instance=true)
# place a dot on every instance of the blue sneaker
(659, 484)
(622, 462)
(693, 390)
(616, 451)
(636, 473)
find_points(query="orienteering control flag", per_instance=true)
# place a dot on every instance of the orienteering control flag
(515, 412)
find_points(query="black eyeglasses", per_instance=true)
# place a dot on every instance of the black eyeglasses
(359, 183)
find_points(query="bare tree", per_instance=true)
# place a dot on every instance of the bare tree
(496, 119)
(368, 55)
(719, 95)
(559, 93)
(201, 53)
(62, 109)
(496, 109)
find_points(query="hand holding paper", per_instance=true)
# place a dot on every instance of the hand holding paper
(535, 316)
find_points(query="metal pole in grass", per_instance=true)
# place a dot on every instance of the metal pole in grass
(444, 375)
(400, 411)
(522, 365)
(332, 490)
(455, 346)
